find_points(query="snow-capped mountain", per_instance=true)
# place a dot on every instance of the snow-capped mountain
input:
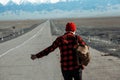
(34, 5)
(17, 7)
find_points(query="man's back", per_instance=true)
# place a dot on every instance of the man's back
(67, 52)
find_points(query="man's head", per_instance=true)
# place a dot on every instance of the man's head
(70, 26)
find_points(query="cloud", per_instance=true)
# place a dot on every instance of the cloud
(16, 1)
(4, 2)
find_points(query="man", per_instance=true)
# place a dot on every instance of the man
(66, 44)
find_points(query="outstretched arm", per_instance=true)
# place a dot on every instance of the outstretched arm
(46, 51)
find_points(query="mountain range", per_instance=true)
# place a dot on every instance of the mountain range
(65, 6)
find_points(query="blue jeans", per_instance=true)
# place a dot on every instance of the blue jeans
(69, 75)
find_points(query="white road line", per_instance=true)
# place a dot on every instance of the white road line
(21, 44)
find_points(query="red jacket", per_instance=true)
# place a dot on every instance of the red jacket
(66, 45)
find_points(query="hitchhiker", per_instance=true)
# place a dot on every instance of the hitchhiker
(69, 65)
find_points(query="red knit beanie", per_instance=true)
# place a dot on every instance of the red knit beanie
(70, 26)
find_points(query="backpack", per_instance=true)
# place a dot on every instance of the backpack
(82, 53)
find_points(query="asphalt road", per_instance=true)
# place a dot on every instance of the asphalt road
(15, 62)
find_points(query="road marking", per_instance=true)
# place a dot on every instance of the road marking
(21, 44)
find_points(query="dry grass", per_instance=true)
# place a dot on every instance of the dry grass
(19, 23)
(105, 21)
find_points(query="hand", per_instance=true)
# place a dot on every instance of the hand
(82, 67)
(33, 56)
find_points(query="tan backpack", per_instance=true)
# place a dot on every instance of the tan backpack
(83, 54)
